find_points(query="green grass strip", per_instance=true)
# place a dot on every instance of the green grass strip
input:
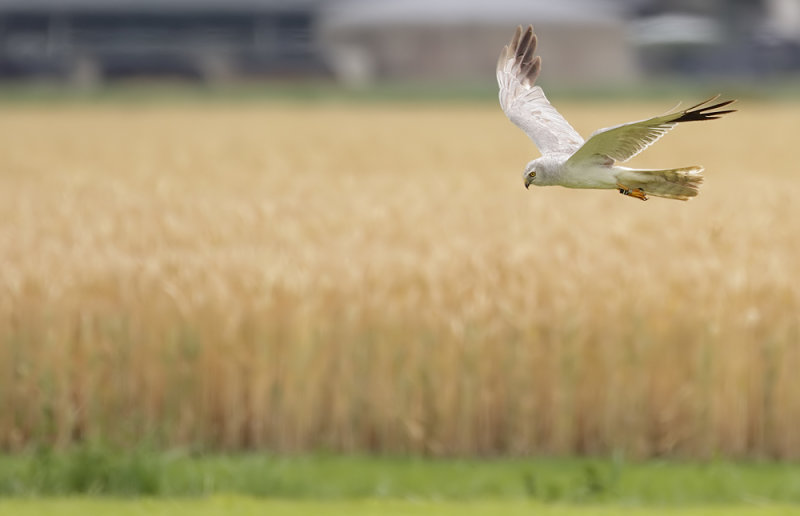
(94, 470)
(227, 505)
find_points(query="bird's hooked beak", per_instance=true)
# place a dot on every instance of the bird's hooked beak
(529, 179)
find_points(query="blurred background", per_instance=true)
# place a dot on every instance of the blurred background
(301, 292)
(85, 43)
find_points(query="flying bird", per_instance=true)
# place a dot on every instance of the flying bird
(567, 159)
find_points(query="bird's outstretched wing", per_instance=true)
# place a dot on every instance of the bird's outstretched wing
(622, 142)
(526, 104)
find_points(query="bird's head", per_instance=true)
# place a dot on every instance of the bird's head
(530, 173)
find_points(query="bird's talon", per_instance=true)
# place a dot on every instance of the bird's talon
(637, 193)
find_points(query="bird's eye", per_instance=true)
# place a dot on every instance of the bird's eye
(532, 174)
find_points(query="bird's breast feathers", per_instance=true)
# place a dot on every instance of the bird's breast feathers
(585, 176)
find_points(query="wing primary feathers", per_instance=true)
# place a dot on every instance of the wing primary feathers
(524, 103)
(523, 46)
(624, 141)
(531, 70)
(515, 40)
(712, 99)
(530, 51)
(524, 50)
(697, 113)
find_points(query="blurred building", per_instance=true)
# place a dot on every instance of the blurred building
(586, 42)
(86, 40)
(717, 38)
(783, 19)
(459, 40)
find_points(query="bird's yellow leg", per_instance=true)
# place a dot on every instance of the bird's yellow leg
(638, 193)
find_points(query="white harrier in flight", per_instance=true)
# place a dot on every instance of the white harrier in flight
(569, 161)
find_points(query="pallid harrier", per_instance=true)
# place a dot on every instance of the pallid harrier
(569, 161)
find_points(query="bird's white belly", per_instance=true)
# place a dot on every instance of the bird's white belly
(588, 177)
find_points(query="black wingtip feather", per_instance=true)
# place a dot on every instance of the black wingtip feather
(698, 113)
(524, 45)
(515, 39)
(523, 49)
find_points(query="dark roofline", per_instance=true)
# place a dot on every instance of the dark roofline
(157, 6)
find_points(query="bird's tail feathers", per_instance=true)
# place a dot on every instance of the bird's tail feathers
(675, 183)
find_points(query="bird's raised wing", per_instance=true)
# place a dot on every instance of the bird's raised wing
(526, 104)
(622, 142)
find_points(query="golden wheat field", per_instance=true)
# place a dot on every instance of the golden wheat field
(375, 278)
